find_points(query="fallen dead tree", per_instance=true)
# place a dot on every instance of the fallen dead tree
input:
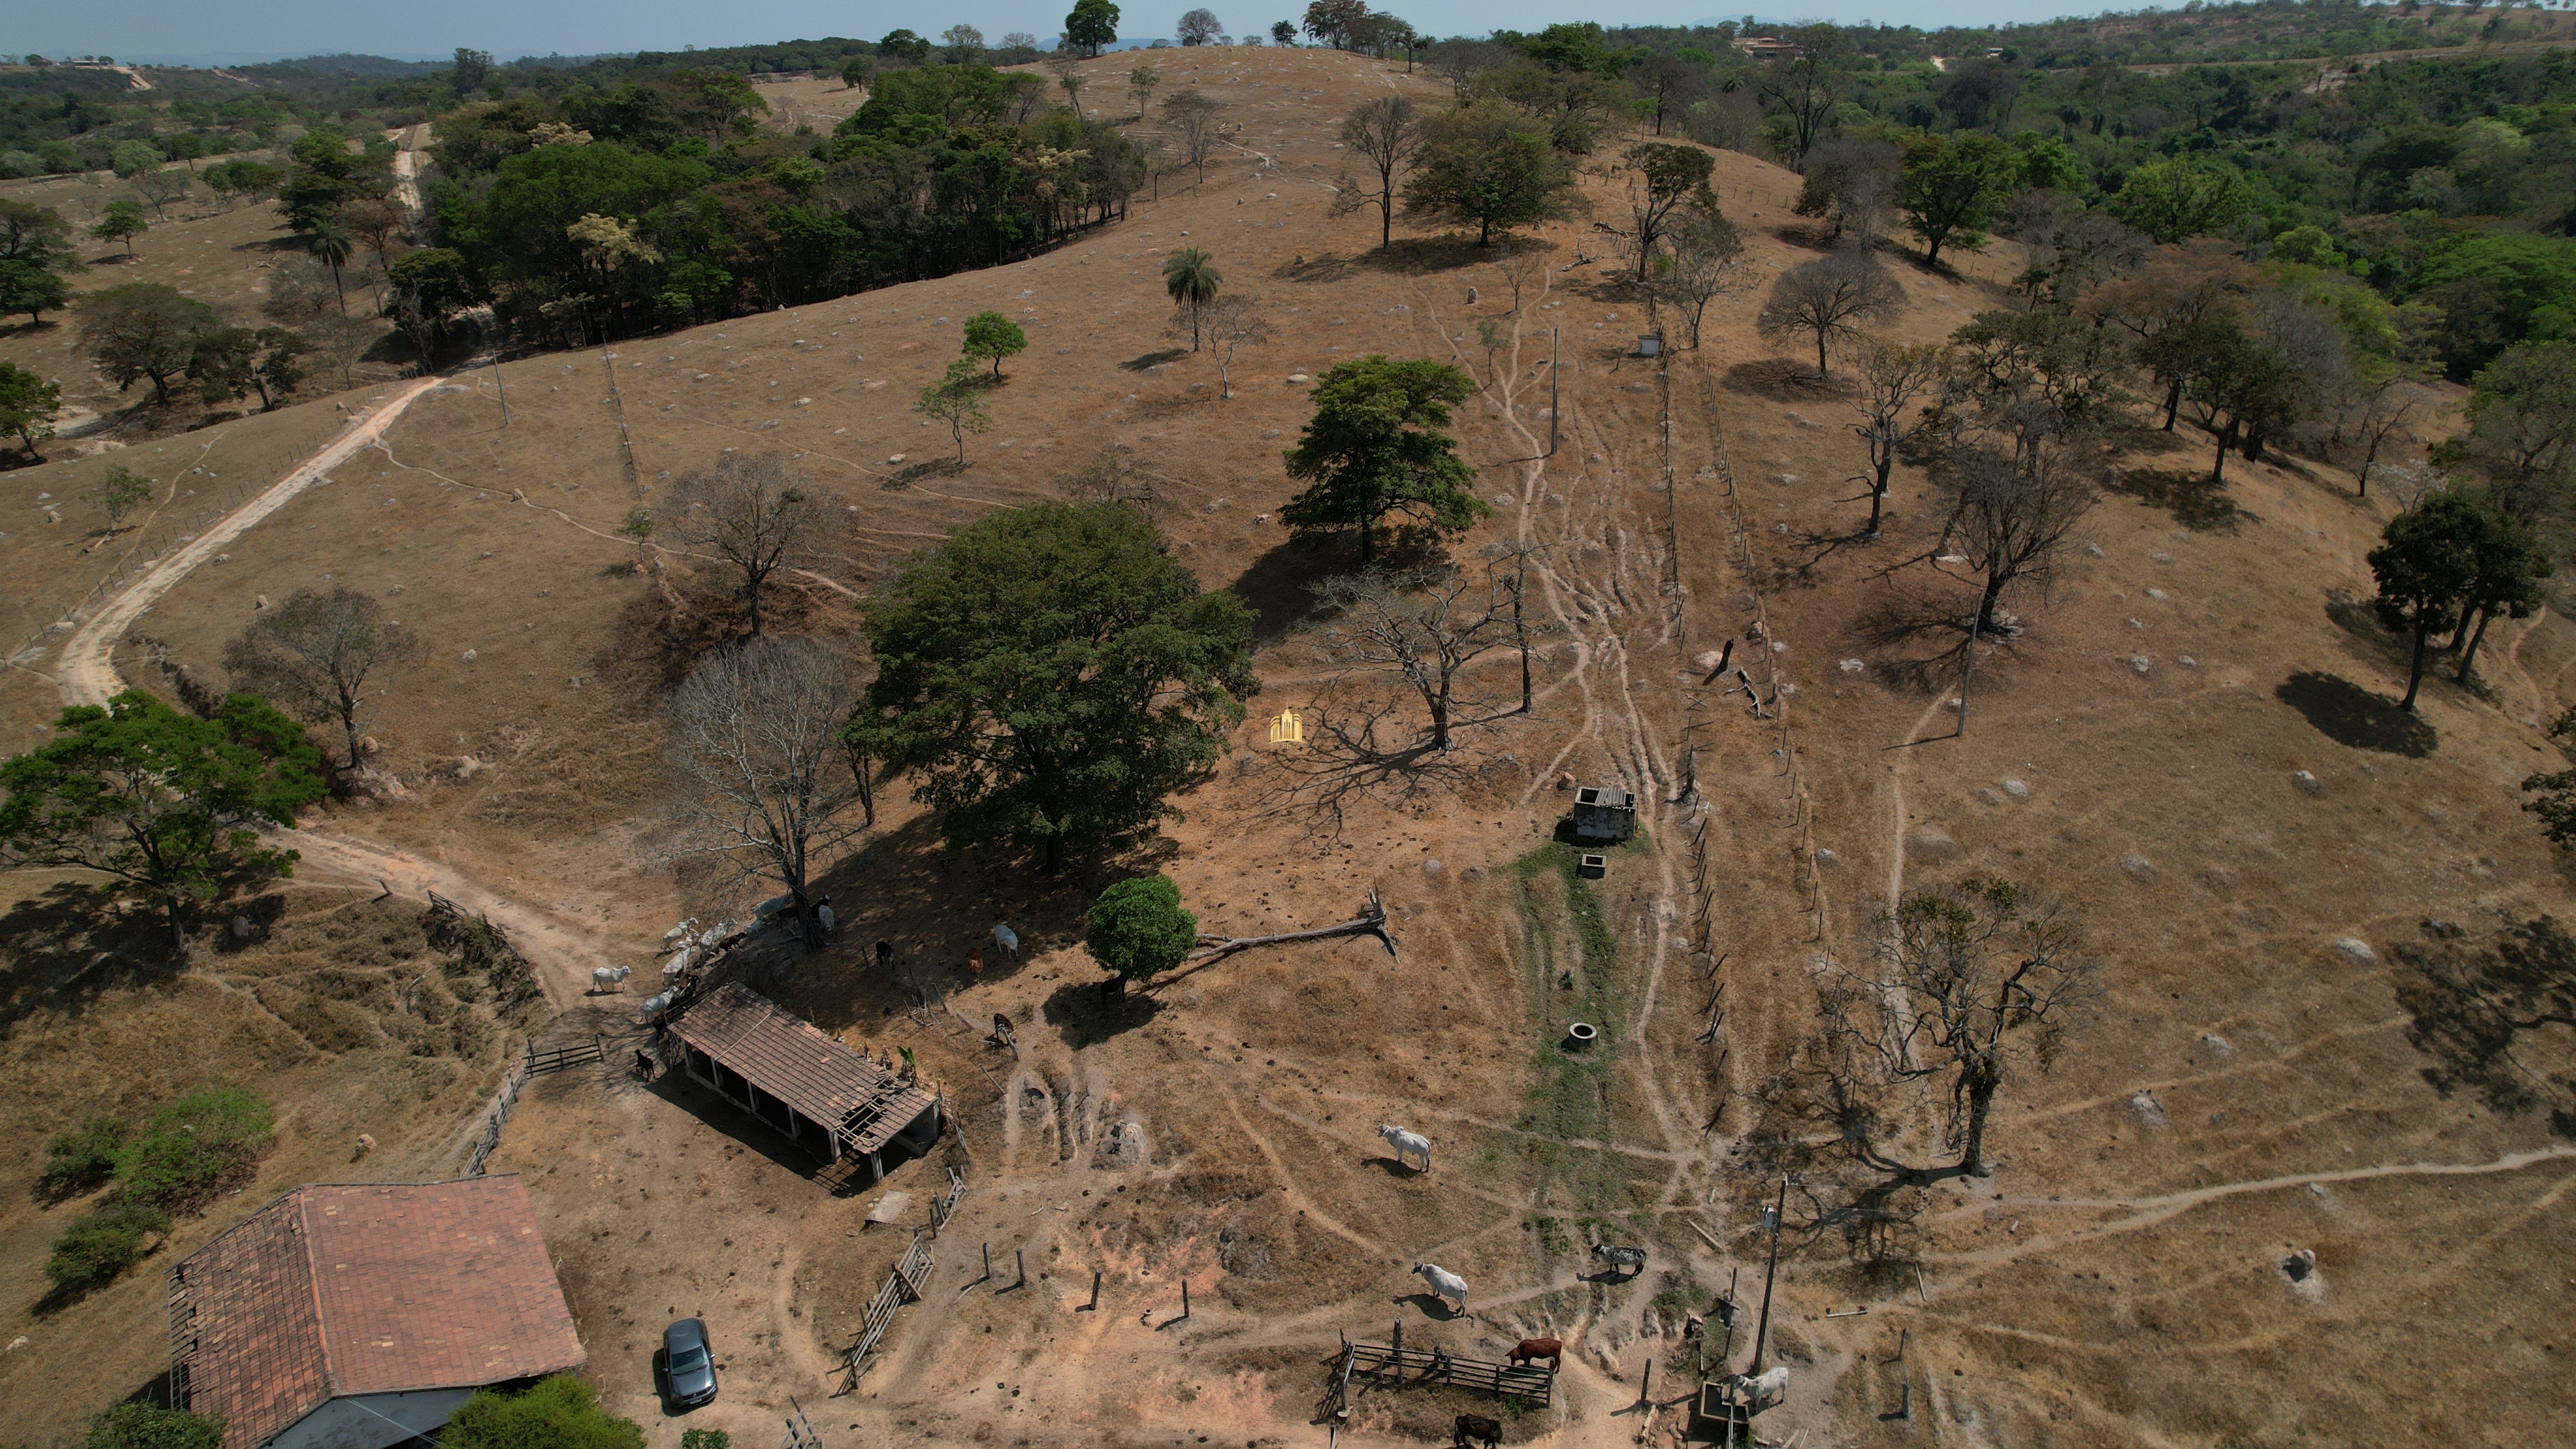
(1370, 922)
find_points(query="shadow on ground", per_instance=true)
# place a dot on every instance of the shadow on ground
(1276, 586)
(2194, 500)
(61, 949)
(2348, 714)
(1777, 379)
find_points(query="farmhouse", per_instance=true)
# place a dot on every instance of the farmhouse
(355, 1316)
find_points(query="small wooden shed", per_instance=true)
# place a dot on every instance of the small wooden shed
(1604, 813)
(801, 1080)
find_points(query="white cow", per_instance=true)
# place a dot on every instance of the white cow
(1404, 1142)
(1444, 1282)
(679, 964)
(654, 1006)
(608, 978)
(679, 933)
(1764, 1390)
(1007, 939)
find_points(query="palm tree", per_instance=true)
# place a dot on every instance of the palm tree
(330, 241)
(1190, 275)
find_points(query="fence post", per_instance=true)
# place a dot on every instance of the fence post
(1094, 1305)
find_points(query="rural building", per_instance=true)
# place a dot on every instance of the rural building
(801, 1080)
(361, 1315)
(1604, 812)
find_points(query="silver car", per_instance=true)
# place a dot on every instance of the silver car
(688, 1364)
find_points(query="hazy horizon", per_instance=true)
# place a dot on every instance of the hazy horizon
(170, 32)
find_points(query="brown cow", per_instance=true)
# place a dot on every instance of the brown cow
(1532, 1348)
(1472, 1427)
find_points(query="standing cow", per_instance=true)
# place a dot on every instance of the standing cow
(1404, 1142)
(1537, 1348)
(1444, 1283)
(1475, 1429)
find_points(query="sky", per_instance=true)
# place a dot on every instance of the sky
(179, 32)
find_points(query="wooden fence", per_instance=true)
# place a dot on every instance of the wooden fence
(1393, 1364)
(534, 1063)
(902, 1285)
(945, 1207)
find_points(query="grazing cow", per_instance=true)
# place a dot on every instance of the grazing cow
(678, 965)
(1404, 1142)
(1444, 1283)
(885, 955)
(1763, 1391)
(1617, 1256)
(679, 933)
(1530, 1349)
(608, 978)
(1007, 939)
(1475, 1429)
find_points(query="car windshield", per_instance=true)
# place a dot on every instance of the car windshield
(688, 1360)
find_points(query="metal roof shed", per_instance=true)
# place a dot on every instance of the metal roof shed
(798, 1078)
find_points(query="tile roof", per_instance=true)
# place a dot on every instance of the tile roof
(802, 1066)
(370, 1288)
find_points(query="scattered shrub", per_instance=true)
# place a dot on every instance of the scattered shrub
(194, 1146)
(93, 1251)
(559, 1412)
(706, 1439)
(80, 1158)
(142, 1426)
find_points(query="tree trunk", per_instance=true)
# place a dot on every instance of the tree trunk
(178, 932)
(1820, 354)
(1386, 214)
(1980, 1087)
(1439, 703)
(2218, 465)
(1878, 495)
(2470, 658)
(1986, 603)
(2173, 402)
(2415, 670)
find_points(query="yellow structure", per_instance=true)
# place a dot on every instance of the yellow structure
(1288, 729)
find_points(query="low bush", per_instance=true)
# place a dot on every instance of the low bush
(559, 1412)
(142, 1426)
(93, 1251)
(80, 1158)
(194, 1146)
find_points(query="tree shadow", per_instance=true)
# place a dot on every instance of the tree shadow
(2480, 1013)
(2348, 714)
(1153, 360)
(1085, 1014)
(1808, 236)
(1276, 583)
(2192, 497)
(1444, 253)
(1920, 639)
(2357, 617)
(1776, 379)
(68, 945)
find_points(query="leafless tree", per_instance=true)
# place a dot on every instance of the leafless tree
(1830, 300)
(2073, 248)
(1897, 382)
(1197, 122)
(1851, 184)
(1426, 626)
(1522, 265)
(1384, 133)
(1706, 249)
(302, 299)
(759, 775)
(313, 655)
(1230, 322)
(1112, 475)
(1970, 982)
(160, 188)
(2008, 519)
(2375, 413)
(748, 511)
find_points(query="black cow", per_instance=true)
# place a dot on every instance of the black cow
(1471, 1428)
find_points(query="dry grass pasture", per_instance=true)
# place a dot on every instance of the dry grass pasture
(2242, 1088)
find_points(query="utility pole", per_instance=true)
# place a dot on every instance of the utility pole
(1762, 1332)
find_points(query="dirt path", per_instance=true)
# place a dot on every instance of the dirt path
(88, 669)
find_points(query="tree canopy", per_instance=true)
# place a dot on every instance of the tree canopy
(1137, 929)
(1052, 677)
(1376, 446)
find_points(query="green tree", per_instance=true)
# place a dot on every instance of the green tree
(1138, 930)
(1191, 278)
(1093, 24)
(1375, 446)
(194, 1146)
(992, 335)
(1486, 167)
(28, 406)
(313, 655)
(26, 287)
(162, 803)
(856, 71)
(1283, 32)
(2426, 564)
(2555, 789)
(559, 1412)
(1669, 175)
(1949, 187)
(123, 222)
(2239, 384)
(2522, 423)
(82, 1156)
(36, 235)
(132, 158)
(2499, 288)
(904, 45)
(2510, 565)
(957, 400)
(132, 1425)
(233, 362)
(143, 329)
(119, 493)
(97, 1248)
(1053, 676)
(2170, 200)
(329, 239)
